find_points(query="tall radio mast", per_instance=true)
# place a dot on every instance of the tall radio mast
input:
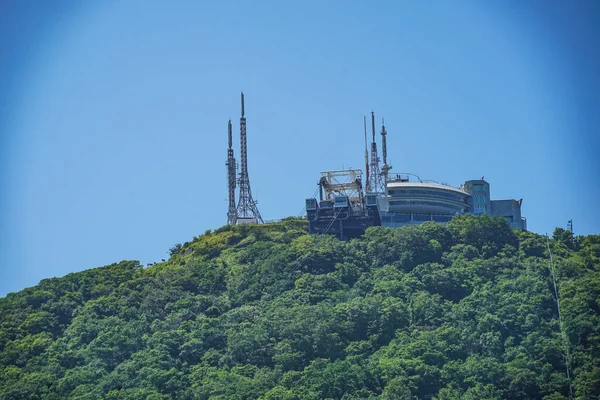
(375, 183)
(385, 168)
(366, 156)
(231, 172)
(247, 211)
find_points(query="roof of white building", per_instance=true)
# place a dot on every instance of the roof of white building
(428, 185)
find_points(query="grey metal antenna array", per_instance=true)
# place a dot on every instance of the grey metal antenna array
(385, 168)
(231, 181)
(246, 208)
(375, 183)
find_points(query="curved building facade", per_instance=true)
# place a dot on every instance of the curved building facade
(409, 202)
(416, 202)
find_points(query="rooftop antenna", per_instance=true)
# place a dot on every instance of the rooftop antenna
(385, 168)
(231, 172)
(366, 156)
(375, 183)
(246, 208)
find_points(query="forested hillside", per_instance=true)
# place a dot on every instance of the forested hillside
(463, 311)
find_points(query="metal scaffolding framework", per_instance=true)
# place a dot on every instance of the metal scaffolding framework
(346, 182)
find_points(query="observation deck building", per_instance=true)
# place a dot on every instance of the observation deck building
(406, 202)
(414, 202)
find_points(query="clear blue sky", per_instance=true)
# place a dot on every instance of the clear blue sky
(113, 114)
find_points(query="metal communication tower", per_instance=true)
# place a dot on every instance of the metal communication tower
(385, 168)
(375, 183)
(231, 173)
(247, 211)
(368, 188)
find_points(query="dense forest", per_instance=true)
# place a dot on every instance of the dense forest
(463, 311)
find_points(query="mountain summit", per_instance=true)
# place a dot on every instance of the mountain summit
(462, 311)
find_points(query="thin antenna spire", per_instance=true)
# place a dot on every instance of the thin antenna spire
(373, 124)
(385, 168)
(243, 104)
(229, 134)
(366, 155)
(383, 142)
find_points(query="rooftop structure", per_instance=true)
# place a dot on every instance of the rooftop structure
(480, 203)
(341, 209)
(399, 200)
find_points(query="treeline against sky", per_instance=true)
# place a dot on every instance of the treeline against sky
(463, 311)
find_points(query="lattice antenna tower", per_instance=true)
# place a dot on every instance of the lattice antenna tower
(385, 168)
(366, 156)
(375, 183)
(246, 208)
(231, 181)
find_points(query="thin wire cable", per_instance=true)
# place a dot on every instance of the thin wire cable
(304, 208)
(560, 322)
(495, 213)
(317, 241)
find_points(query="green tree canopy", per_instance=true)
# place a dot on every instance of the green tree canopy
(463, 311)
